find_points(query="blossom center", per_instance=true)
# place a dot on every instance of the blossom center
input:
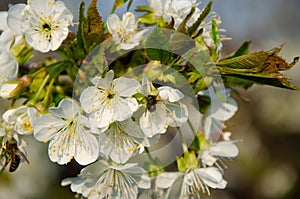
(46, 27)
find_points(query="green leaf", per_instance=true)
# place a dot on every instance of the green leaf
(198, 143)
(216, 38)
(118, 4)
(203, 84)
(262, 67)
(82, 21)
(144, 9)
(94, 28)
(182, 25)
(187, 162)
(180, 43)
(90, 28)
(232, 81)
(72, 72)
(148, 18)
(129, 4)
(242, 50)
(202, 16)
(157, 45)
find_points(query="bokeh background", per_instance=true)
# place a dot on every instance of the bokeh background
(268, 166)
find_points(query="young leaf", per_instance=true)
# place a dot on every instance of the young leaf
(242, 50)
(262, 67)
(182, 25)
(94, 29)
(202, 16)
(118, 4)
(157, 46)
(80, 29)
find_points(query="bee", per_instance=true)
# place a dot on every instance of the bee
(151, 103)
(12, 155)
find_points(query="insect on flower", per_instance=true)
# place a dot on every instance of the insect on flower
(151, 101)
(11, 154)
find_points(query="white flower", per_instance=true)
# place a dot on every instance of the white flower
(176, 9)
(163, 109)
(121, 140)
(222, 108)
(103, 181)
(66, 129)
(22, 118)
(217, 154)
(124, 32)
(109, 100)
(190, 184)
(43, 22)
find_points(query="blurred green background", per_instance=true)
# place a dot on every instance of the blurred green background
(268, 166)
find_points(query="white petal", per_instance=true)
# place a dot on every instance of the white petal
(122, 109)
(15, 19)
(131, 128)
(103, 116)
(145, 88)
(86, 148)
(91, 99)
(166, 179)
(6, 39)
(104, 83)
(40, 5)
(8, 66)
(46, 127)
(139, 174)
(128, 46)
(66, 109)
(212, 177)
(128, 20)
(177, 114)
(61, 149)
(153, 123)
(3, 17)
(117, 145)
(211, 126)
(126, 87)
(175, 190)
(170, 94)
(113, 23)
(225, 149)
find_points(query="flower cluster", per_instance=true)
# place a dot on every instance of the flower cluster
(111, 94)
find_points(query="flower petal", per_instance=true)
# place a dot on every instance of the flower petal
(177, 114)
(166, 179)
(104, 83)
(61, 148)
(86, 148)
(91, 98)
(46, 127)
(170, 94)
(117, 145)
(126, 87)
(212, 177)
(153, 123)
(15, 19)
(225, 149)
(113, 23)
(66, 109)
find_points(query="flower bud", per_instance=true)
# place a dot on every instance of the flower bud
(13, 88)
